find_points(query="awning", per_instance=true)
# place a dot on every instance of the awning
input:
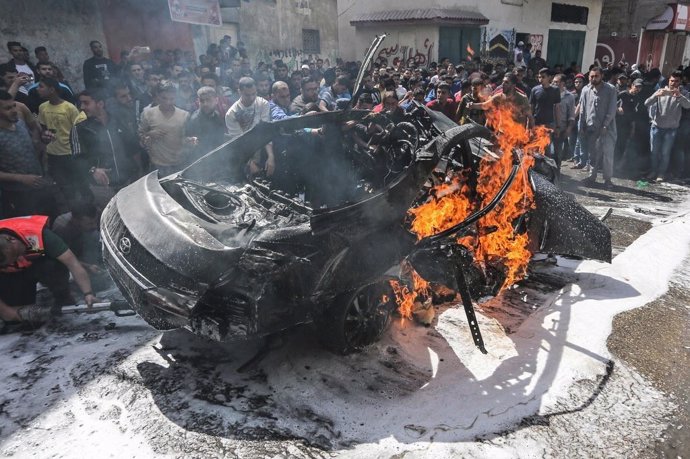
(422, 16)
(673, 18)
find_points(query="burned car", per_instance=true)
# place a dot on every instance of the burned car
(231, 258)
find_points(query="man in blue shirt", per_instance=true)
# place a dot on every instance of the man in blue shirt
(543, 100)
(330, 95)
(45, 70)
(279, 104)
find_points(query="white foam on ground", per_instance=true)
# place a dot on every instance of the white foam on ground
(443, 394)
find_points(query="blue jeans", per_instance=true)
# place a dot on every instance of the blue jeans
(573, 148)
(560, 148)
(661, 141)
(580, 152)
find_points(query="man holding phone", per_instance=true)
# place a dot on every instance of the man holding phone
(23, 67)
(665, 106)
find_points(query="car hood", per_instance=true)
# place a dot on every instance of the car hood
(170, 233)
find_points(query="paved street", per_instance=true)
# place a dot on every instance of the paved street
(122, 388)
(243, 171)
(654, 339)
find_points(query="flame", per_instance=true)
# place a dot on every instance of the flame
(496, 241)
(470, 52)
(406, 297)
(449, 205)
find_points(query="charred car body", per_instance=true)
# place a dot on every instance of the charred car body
(232, 259)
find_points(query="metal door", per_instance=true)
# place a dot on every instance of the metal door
(459, 43)
(565, 46)
(673, 57)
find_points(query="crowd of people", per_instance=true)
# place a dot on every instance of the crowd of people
(64, 154)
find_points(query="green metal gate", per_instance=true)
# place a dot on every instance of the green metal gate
(565, 46)
(454, 43)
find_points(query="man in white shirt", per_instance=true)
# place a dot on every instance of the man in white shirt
(519, 54)
(246, 113)
(162, 132)
(23, 67)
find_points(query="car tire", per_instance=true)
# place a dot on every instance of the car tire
(356, 319)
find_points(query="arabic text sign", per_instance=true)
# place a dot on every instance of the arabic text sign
(205, 12)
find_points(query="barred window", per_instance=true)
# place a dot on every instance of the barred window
(311, 41)
(569, 13)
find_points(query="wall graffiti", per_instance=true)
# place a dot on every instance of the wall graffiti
(409, 55)
(293, 57)
(613, 51)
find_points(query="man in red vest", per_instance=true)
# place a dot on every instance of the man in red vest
(30, 252)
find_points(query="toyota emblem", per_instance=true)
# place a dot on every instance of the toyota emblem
(125, 245)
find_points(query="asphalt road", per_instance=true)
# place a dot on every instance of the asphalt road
(654, 339)
(102, 386)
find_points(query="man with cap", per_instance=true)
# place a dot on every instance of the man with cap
(518, 54)
(306, 71)
(622, 82)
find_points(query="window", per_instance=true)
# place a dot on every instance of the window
(311, 41)
(561, 12)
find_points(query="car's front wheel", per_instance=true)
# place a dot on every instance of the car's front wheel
(356, 319)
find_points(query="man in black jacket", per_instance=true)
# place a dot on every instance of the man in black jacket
(98, 70)
(103, 149)
(206, 126)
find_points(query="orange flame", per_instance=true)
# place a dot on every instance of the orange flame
(496, 240)
(406, 297)
(449, 205)
(470, 52)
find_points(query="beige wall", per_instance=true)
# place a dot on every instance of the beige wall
(65, 28)
(402, 42)
(273, 29)
(534, 16)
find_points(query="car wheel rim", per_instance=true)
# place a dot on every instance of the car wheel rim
(367, 317)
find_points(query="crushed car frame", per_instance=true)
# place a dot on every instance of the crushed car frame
(234, 259)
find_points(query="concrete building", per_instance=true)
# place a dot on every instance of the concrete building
(565, 32)
(652, 33)
(65, 31)
(291, 30)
